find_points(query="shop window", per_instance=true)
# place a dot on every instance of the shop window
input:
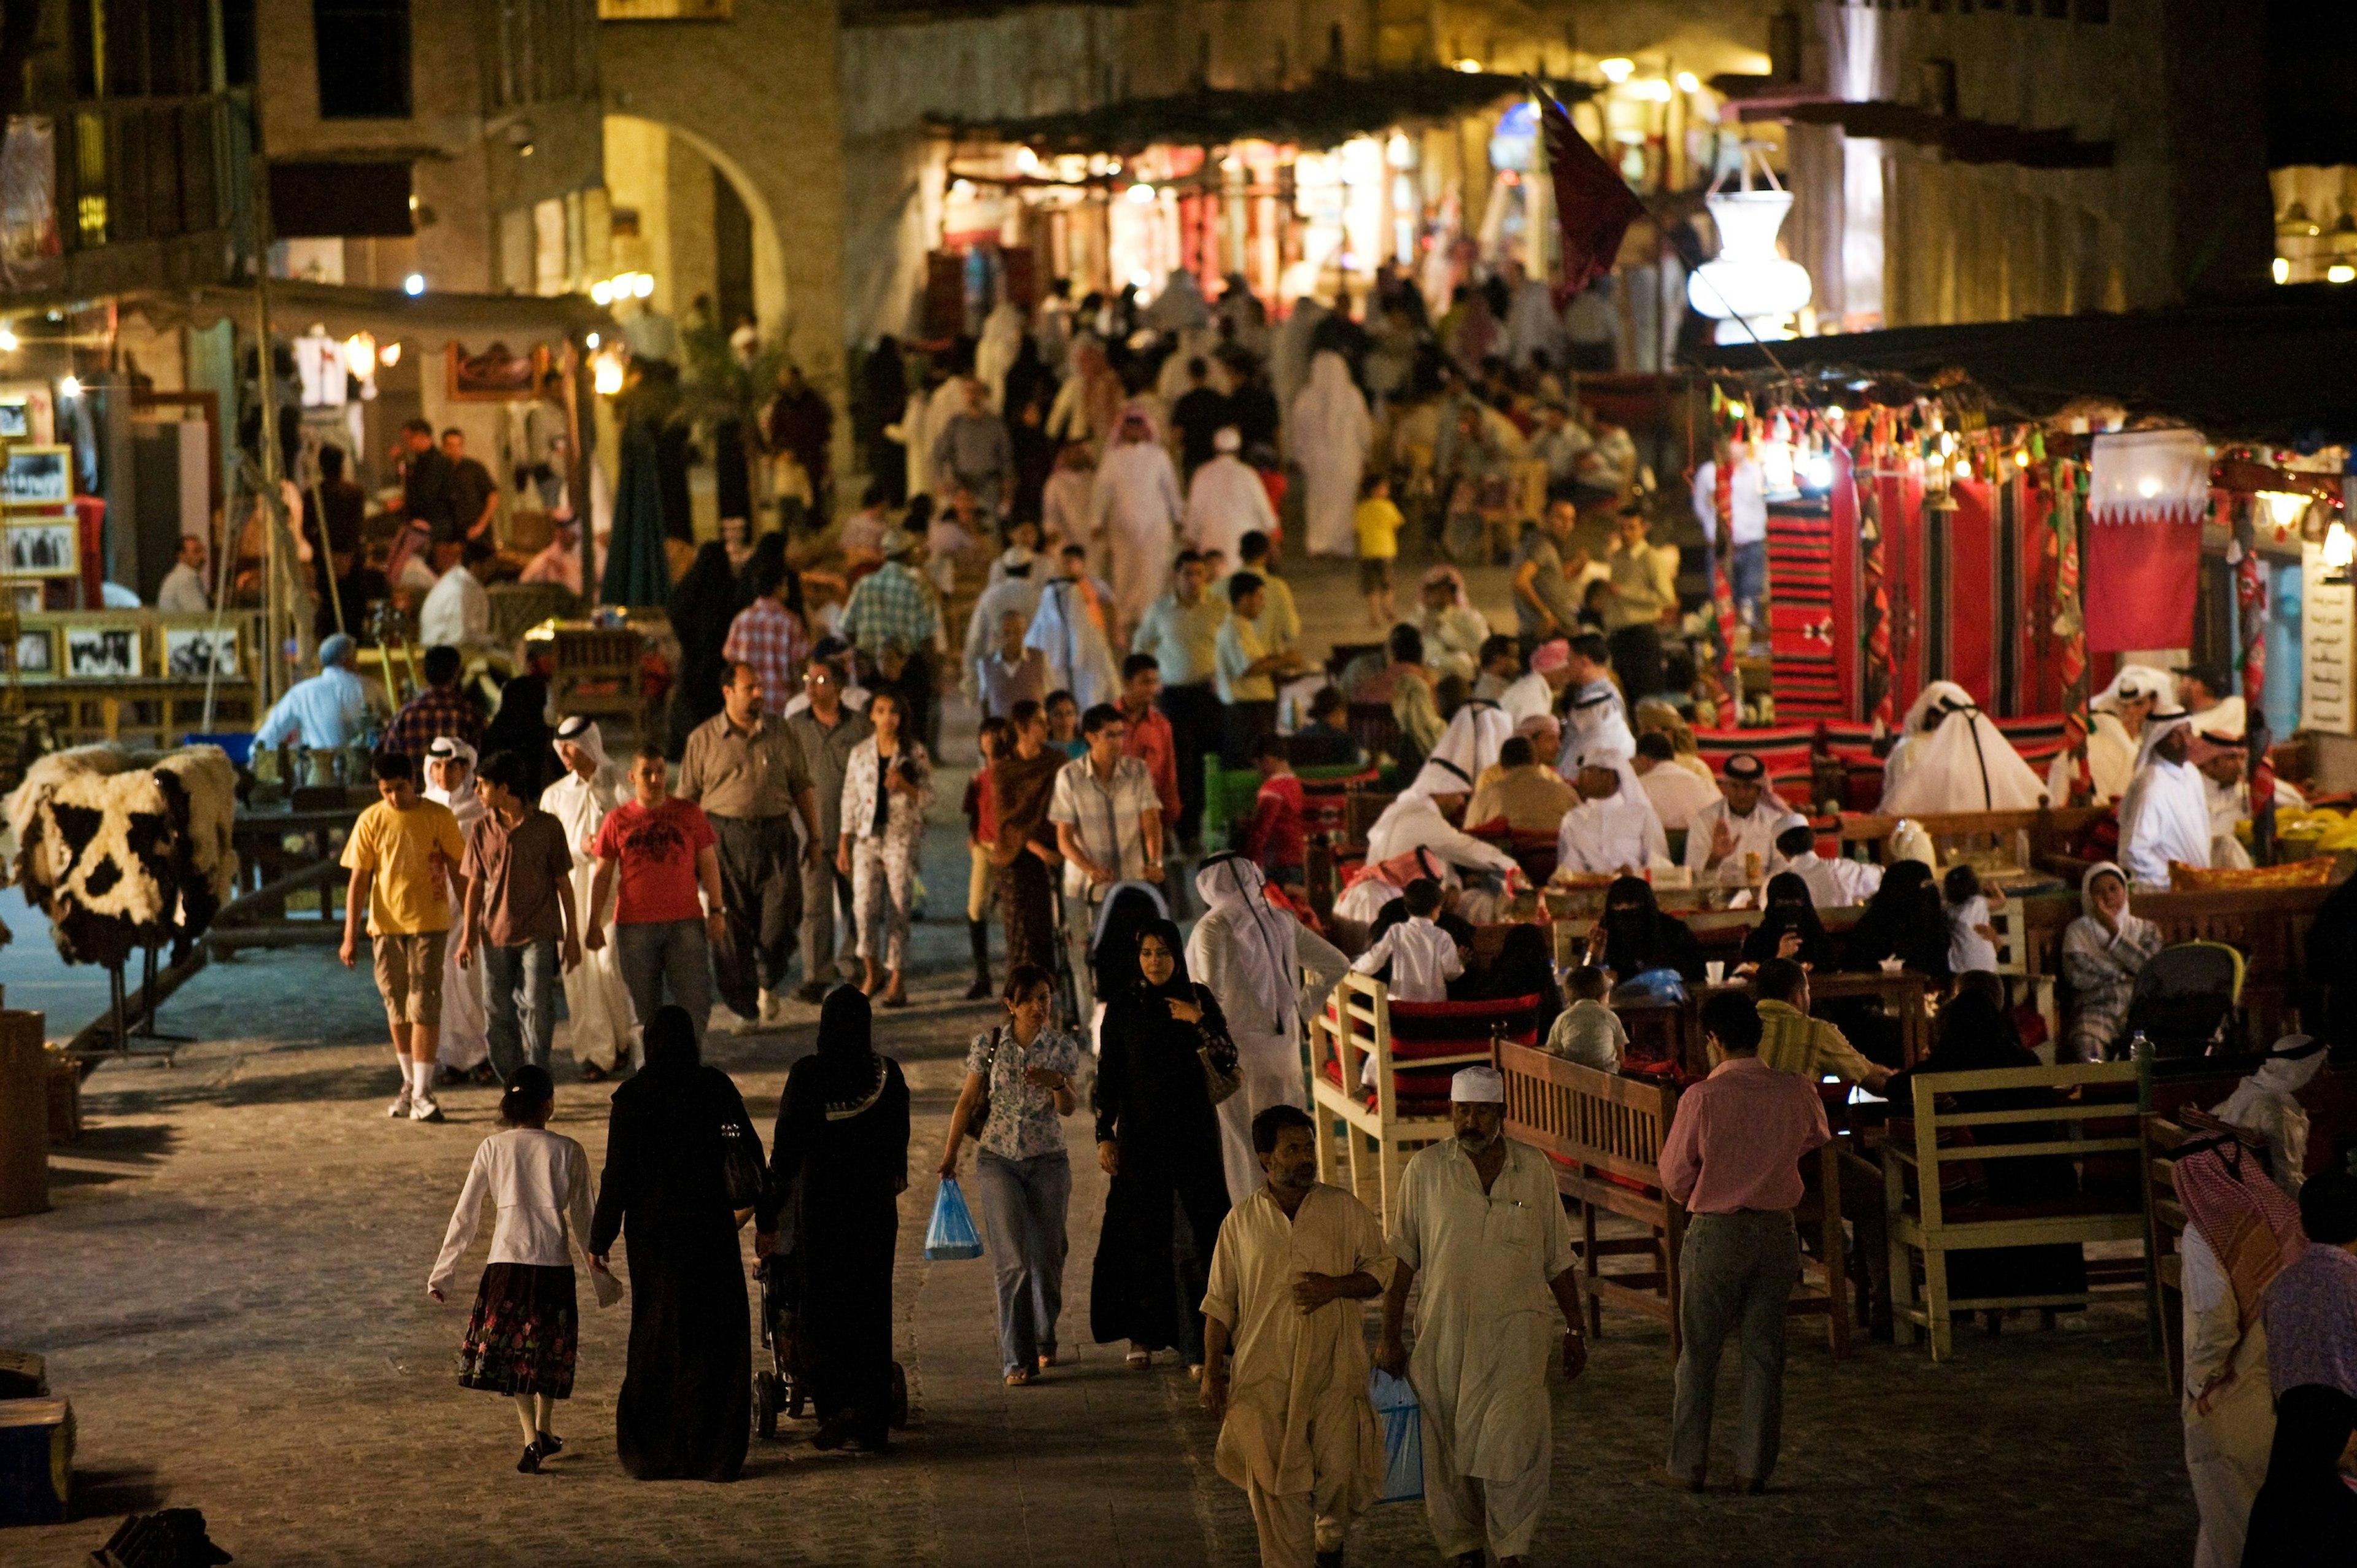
(363, 59)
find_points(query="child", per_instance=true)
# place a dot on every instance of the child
(1588, 1032)
(1064, 725)
(982, 831)
(1275, 837)
(405, 854)
(527, 1325)
(1972, 939)
(1423, 957)
(1378, 524)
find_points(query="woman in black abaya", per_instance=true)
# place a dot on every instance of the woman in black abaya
(1790, 920)
(840, 1163)
(703, 602)
(686, 1409)
(1158, 1138)
(1634, 937)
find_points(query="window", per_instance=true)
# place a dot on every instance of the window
(316, 200)
(664, 10)
(364, 52)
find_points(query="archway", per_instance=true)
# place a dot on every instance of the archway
(671, 177)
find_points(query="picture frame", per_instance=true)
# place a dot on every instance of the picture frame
(498, 374)
(15, 419)
(35, 655)
(104, 650)
(30, 598)
(190, 650)
(47, 547)
(40, 477)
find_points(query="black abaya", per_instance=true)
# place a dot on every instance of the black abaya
(685, 1408)
(1152, 1100)
(702, 603)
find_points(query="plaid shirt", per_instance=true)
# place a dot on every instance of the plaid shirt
(890, 605)
(769, 638)
(438, 710)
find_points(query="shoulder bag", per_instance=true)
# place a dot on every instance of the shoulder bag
(979, 1117)
(1222, 1074)
(741, 1166)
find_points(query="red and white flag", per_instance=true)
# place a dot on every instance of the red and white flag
(1593, 205)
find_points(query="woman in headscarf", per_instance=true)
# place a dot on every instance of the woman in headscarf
(839, 1165)
(521, 726)
(465, 1046)
(1904, 920)
(883, 398)
(2116, 731)
(597, 1003)
(1249, 955)
(1633, 935)
(1524, 967)
(2104, 950)
(1788, 927)
(1128, 907)
(1975, 1036)
(1327, 433)
(2241, 1231)
(1159, 1139)
(702, 603)
(686, 1401)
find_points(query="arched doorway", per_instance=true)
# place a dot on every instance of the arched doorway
(686, 213)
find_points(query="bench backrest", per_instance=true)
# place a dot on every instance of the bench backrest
(2060, 1123)
(1611, 1124)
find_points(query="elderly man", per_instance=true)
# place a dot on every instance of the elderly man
(974, 450)
(1108, 826)
(1535, 692)
(747, 773)
(1014, 592)
(1226, 500)
(596, 1002)
(2220, 754)
(1612, 832)
(324, 713)
(2165, 815)
(827, 731)
(1676, 793)
(1733, 1159)
(1183, 631)
(1479, 1223)
(1296, 1430)
(1729, 841)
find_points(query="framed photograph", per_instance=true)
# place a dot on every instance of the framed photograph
(103, 652)
(498, 374)
(192, 652)
(38, 476)
(43, 549)
(35, 657)
(15, 419)
(28, 598)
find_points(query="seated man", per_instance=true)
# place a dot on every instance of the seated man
(1729, 841)
(1834, 884)
(1676, 792)
(1530, 796)
(1501, 666)
(1607, 834)
(1326, 740)
(1790, 1041)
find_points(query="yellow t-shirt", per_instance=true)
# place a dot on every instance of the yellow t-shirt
(398, 848)
(1378, 522)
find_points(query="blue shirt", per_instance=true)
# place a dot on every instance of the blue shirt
(324, 713)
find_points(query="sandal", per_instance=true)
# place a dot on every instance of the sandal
(1138, 1358)
(1018, 1378)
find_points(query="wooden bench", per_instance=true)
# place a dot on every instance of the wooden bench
(2033, 834)
(1921, 1226)
(1603, 1133)
(1370, 1133)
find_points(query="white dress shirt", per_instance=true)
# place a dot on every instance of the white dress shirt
(456, 614)
(1423, 959)
(1605, 836)
(540, 1182)
(183, 591)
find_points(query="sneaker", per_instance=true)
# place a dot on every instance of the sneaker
(399, 1106)
(773, 1008)
(813, 992)
(424, 1108)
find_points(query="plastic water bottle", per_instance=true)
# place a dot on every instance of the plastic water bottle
(2139, 1047)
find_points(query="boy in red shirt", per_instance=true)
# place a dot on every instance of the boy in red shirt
(662, 851)
(982, 832)
(1276, 837)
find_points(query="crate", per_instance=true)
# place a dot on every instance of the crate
(36, 1460)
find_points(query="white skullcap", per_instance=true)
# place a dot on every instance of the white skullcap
(1480, 1086)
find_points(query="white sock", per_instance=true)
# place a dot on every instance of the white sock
(421, 1078)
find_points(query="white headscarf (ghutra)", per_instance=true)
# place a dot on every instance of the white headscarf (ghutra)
(1231, 886)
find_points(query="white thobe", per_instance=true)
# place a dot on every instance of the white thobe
(1611, 835)
(465, 1041)
(1754, 835)
(1595, 726)
(1453, 640)
(2227, 1444)
(1485, 1326)
(1266, 1031)
(1327, 432)
(1008, 595)
(456, 614)
(2163, 816)
(597, 1003)
(1412, 822)
(1528, 698)
(1834, 884)
(2111, 762)
(1677, 794)
(1226, 500)
(1079, 659)
(1135, 504)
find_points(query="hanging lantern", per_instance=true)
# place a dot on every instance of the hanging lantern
(1749, 290)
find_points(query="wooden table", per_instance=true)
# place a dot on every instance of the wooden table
(1675, 1029)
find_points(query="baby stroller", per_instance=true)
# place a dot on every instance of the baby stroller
(783, 1387)
(2188, 1003)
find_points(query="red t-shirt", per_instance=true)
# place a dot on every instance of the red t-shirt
(1277, 837)
(657, 849)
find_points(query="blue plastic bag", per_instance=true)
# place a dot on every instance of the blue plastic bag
(1402, 1422)
(952, 1234)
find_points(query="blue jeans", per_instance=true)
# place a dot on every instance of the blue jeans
(1747, 577)
(526, 974)
(1023, 1203)
(677, 953)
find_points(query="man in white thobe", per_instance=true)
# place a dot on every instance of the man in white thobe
(1608, 832)
(1069, 629)
(2165, 815)
(1135, 504)
(1296, 1430)
(1835, 884)
(2266, 1105)
(597, 1003)
(1254, 957)
(1534, 694)
(1595, 719)
(1480, 1222)
(1730, 840)
(1226, 500)
(1418, 819)
(1014, 591)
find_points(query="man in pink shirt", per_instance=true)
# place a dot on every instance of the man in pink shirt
(1733, 1159)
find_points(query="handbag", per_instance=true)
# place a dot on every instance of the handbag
(979, 1117)
(742, 1169)
(1223, 1074)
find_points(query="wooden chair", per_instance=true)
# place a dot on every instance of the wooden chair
(596, 669)
(1603, 1133)
(1922, 1228)
(2013, 963)
(1371, 1132)
(1373, 727)
(2165, 1224)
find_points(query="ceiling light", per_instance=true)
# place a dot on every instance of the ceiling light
(70, 388)
(1141, 193)
(1689, 82)
(1617, 70)
(413, 284)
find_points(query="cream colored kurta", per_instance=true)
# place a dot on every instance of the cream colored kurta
(1298, 1418)
(597, 1003)
(1486, 1321)
(2229, 1435)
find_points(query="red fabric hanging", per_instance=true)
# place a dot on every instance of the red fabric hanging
(1593, 205)
(1968, 621)
(2141, 578)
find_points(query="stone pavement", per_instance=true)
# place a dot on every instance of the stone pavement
(231, 1290)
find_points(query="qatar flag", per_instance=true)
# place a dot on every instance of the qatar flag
(1593, 205)
(2148, 492)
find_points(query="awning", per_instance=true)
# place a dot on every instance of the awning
(2272, 367)
(1330, 110)
(425, 321)
(1965, 141)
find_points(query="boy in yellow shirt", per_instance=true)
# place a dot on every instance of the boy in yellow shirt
(406, 851)
(1378, 522)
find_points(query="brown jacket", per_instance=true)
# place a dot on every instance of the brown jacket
(1021, 793)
